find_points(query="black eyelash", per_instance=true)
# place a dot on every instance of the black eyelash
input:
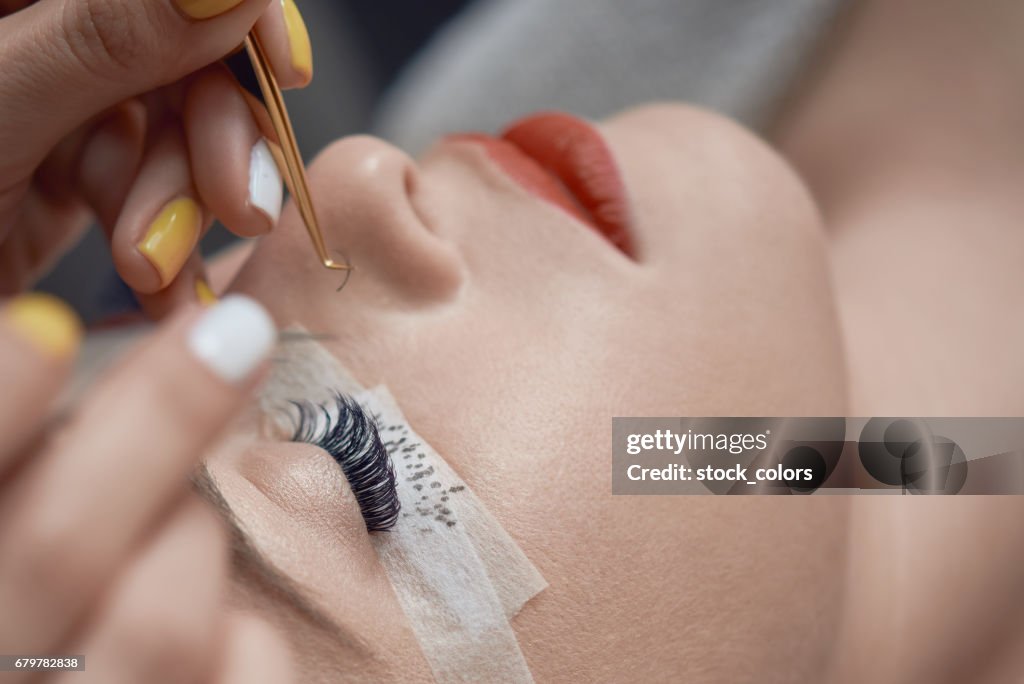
(352, 439)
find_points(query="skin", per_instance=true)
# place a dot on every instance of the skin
(107, 117)
(458, 265)
(933, 165)
(922, 595)
(907, 136)
(454, 308)
(137, 576)
(98, 102)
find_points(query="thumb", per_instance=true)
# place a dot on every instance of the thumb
(63, 61)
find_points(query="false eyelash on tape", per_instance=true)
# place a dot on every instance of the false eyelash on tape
(459, 576)
(350, 436)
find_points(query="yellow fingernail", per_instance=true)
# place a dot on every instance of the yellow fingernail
(204, 293)
(204, 9)
(298, 38)
(172, 237)
(45, 321)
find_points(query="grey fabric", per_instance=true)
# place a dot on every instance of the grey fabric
(505, 58)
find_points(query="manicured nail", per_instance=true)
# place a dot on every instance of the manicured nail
(204, 293)
(45, 321)
(172, 236)
(204, 9)
(298, 38)
(233, 337)
(265, 189)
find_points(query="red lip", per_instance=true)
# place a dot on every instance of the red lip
(562, 159)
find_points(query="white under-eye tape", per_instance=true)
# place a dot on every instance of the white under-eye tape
(457, 573)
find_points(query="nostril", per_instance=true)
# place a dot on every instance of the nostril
(411, 186)
(409, 181)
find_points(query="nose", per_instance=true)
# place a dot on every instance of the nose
(364, 192)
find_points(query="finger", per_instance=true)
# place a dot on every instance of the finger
(41, 232)
(254, 654)
(67, 61)
(232, 165)
(162, 220)
(190, 287)
(106, 174)
(39, 336)
(161, 620)
(43, 218)
(71, 519)
(283, 33)
(53, 177)
(110, 162)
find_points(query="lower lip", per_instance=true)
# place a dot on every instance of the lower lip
(563, 160)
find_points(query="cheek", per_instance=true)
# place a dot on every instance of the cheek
(702, 185)
(297, 507)
(733, 250)
(283, 273)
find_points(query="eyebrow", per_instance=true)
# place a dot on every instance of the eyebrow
(248, 562)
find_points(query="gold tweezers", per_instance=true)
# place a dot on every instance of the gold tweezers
(294, 170)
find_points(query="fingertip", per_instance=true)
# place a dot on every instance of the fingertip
(47, 323)
(283, 31)
(233, 338)
(171, 237)
(233, 171)
(162, 220)
(190, 287)
(39, 339)
(299, 44)
(202, 10)
(110, 161)
(206, 9)
(266, 188)
(204, 293)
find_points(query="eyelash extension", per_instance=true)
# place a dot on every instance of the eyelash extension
(350, 436)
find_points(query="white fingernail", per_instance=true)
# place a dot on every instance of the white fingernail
(233, 337)
(265, 191)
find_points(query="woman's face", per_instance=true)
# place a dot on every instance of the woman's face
(510, 334)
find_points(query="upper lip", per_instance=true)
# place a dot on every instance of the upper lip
(566, 161)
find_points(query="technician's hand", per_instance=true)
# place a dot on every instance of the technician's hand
(101, 112)
(104, 549)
